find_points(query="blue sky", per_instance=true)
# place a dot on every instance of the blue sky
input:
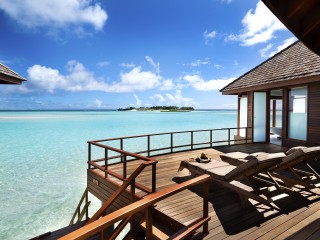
(83, 54)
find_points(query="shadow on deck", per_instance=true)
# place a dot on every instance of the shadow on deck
(236, 219)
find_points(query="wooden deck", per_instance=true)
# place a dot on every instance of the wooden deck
(299, 217)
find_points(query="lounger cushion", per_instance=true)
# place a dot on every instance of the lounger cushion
(310, 150)
(237, 158)
(271, 156)
(221, 173)
(293, 149)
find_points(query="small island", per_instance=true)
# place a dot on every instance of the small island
(159, 108)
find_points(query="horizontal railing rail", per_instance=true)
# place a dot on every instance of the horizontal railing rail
(174, 145)
(146, 204)
(166, 133)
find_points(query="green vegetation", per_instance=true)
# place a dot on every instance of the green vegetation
(159, 108)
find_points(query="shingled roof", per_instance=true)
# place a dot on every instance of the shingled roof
(8, 76)
(294, 65)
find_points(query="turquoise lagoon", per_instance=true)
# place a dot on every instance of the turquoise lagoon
(44, 154)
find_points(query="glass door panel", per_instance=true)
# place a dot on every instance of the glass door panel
(259, 116)
(243, 115)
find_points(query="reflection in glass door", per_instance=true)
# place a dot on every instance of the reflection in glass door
(259, 116)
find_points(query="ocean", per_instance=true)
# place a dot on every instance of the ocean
(44, 153)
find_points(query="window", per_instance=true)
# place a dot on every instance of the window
(298, 113)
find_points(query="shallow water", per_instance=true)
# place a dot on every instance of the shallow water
(43, 159)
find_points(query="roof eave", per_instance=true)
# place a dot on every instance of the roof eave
(269, 86)
(6, 79)
(301, 18)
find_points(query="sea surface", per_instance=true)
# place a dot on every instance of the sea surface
(43, 158)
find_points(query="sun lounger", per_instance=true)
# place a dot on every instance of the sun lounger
(226, 174)
(295, 156)
(289, 163)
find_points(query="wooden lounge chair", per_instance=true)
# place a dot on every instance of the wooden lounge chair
(297, 155)
(227, 175)
(289, 163)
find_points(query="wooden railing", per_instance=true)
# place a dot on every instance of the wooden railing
(113, 155)
(146, 204)
(123, 156)
(214, 137)
(130, 181)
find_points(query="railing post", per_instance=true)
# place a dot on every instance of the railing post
(89, 154)
(148, 145)
(171, 142)
(191, 140)
(86, 202)
(121, 147)
(211, 138)
(205, 206)
(133, 190)
(124, 167)
(78, 213)
(228, 136)
(105, 162)
(154, 179)
(133, 198)
(149, 222)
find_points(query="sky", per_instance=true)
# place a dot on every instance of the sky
(109, 54)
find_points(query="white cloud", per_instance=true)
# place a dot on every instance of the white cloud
(103, 63)
(137, 80)
(199, 84)
(179, 100)
(285, 43)
(167, 85)
(263, 51)
(199, 62)
(78, 78)
(127, 65)
(56, 14)
(173, 99)
(217, 66)
(259, 25)
(98, 103)
(138, 101)
(158, 98)
(209, 36)
(156, 66)
(226, 1)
